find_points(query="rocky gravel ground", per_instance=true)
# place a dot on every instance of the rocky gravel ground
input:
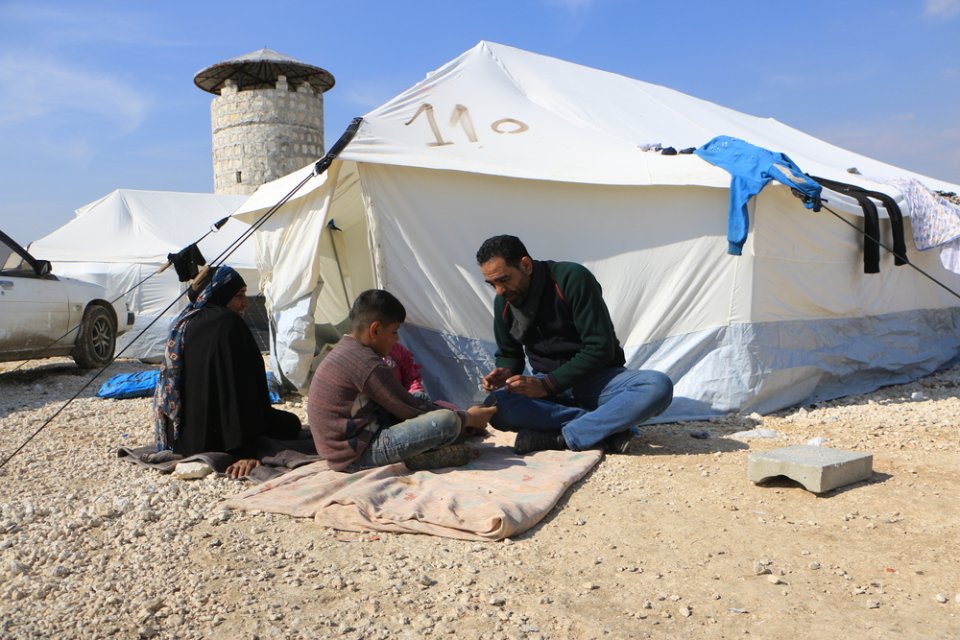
(669, 541)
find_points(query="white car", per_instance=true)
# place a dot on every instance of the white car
(43, 315)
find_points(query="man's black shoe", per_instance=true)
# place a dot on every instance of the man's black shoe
(618, 442)
(529, 441)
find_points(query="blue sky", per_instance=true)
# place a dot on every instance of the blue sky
(99, 95)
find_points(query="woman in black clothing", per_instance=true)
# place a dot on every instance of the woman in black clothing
(212, 394)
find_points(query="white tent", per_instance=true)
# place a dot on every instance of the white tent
(505, 141)
(125, 236)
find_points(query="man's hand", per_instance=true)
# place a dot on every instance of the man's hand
(242, 467)
(529, 386)
(496, 379)
(478, 417)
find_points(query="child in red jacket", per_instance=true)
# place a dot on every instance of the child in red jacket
(406, 369)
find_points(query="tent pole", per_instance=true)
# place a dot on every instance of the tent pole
(336, 257)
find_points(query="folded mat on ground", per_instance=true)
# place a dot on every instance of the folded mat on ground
(495, 496)
(277, 457)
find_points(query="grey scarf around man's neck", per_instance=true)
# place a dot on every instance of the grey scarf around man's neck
(522, 316)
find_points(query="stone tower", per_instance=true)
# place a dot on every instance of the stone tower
(267, 118)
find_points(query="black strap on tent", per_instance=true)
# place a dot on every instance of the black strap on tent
(321, 166)
(871, 222)
(896, 226)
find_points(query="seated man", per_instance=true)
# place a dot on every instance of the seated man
(212, 393)
(361, 416)
(554, 314)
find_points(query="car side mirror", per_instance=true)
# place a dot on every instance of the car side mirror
(44, 267)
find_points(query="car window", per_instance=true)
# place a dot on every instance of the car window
(6, 253)
(11, 262)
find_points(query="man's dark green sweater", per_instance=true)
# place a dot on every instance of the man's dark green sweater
(570, 335)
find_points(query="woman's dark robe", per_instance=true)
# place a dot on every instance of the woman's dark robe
(225, 401)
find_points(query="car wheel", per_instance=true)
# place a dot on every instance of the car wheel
(97, 339)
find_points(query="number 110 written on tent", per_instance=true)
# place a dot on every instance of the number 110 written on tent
(461, 117)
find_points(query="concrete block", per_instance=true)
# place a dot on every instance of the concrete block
(818, 469)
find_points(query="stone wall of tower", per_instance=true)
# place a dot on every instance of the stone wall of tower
(260, 135)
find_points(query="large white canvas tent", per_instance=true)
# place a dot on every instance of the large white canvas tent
(125, 236)
(501, 140)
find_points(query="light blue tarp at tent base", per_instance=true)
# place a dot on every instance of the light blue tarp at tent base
(778, 364)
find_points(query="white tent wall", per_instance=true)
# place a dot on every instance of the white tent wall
(735, 333)
(793, 319)
(428, 225)
(816, 326)
(812, 266)
(727, 329)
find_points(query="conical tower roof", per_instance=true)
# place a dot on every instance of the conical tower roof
(259, 70)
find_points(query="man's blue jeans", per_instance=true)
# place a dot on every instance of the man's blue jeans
(402, 440)
(611, 401)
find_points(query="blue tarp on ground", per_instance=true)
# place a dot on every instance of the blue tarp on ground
(142, 384)
(130, 385)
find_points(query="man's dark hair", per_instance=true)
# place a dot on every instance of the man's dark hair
(510, 248)
(376, 305)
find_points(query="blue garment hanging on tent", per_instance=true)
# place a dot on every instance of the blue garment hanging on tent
(751, 168)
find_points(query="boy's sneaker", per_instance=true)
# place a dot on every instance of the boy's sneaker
(529, 441)
(618, 442)
(454, 455)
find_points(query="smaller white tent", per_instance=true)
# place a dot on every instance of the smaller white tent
(125, 236)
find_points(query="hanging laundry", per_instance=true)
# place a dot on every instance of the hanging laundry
(751, 168)
(950, 256)
(187, 262)
(935, 221)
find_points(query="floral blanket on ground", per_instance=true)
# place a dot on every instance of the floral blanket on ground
(495, 496)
